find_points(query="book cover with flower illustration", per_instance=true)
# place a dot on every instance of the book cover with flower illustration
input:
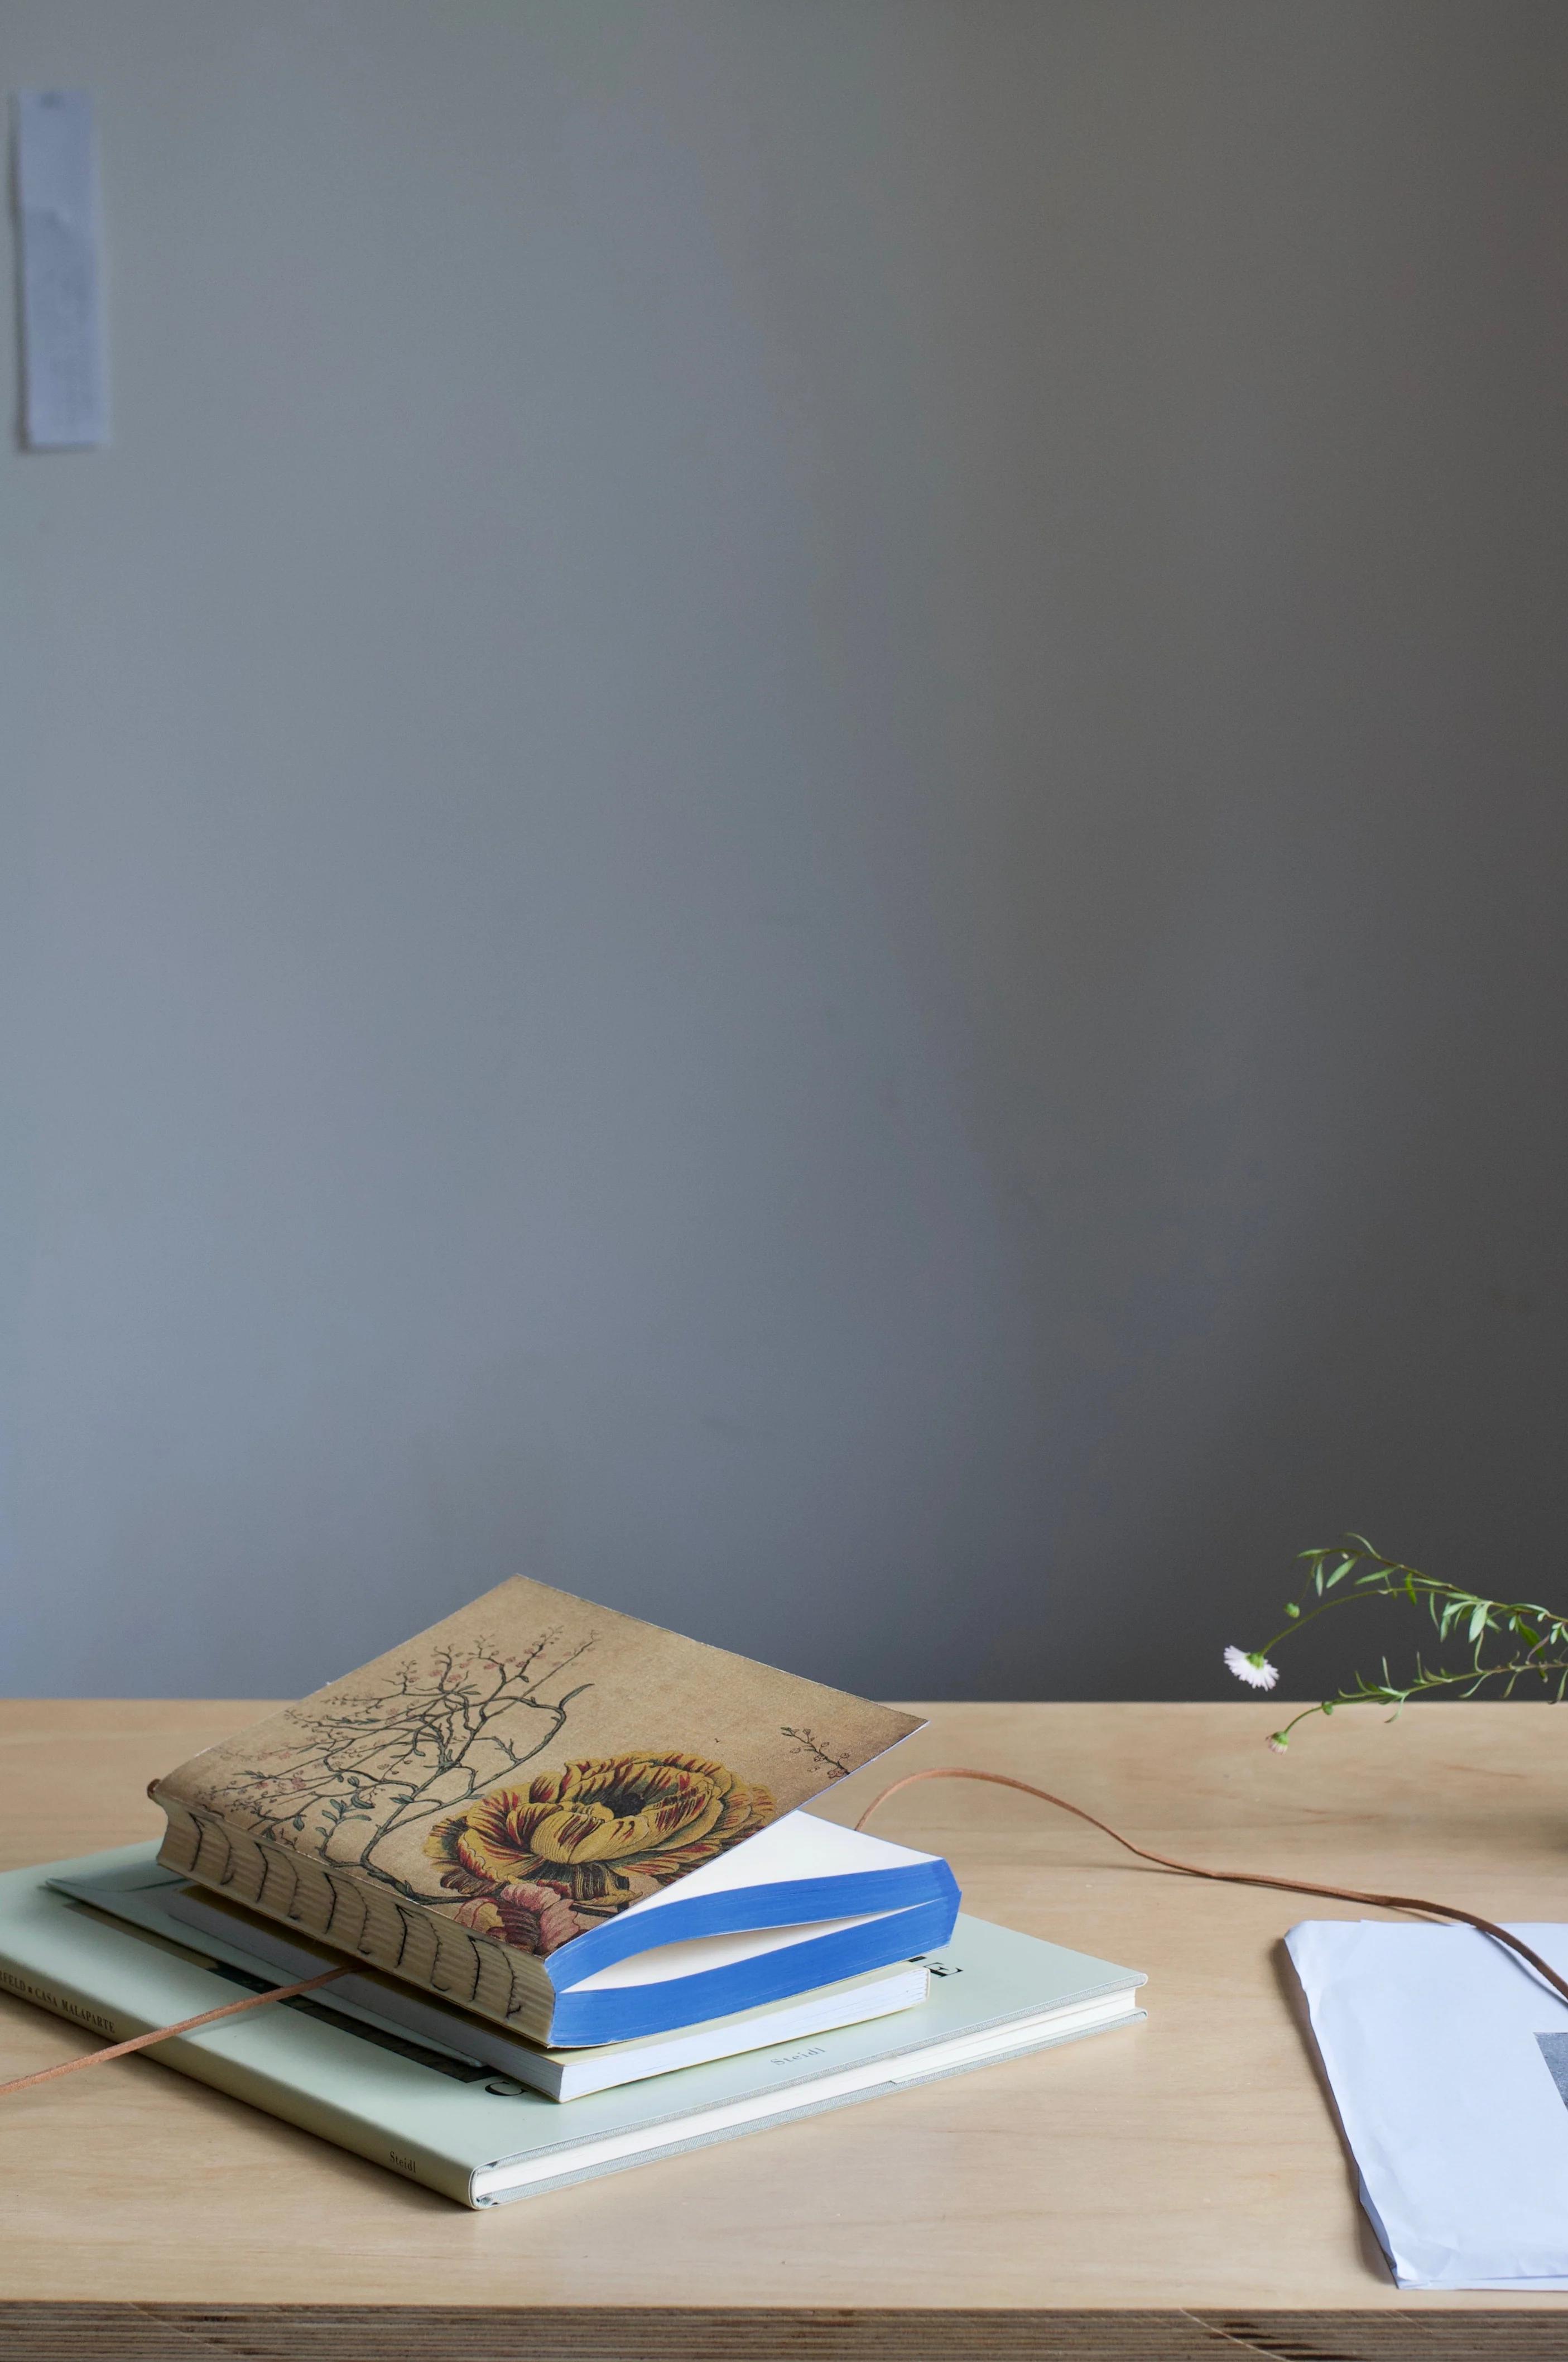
(505, 1783)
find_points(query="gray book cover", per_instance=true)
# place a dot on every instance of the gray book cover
(480, 2137)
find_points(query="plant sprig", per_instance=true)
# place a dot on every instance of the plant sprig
(1504, 1641)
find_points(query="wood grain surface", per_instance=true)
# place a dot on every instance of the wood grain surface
(107, 2333)
(1183, 2181)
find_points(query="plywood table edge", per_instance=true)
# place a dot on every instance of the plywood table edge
(67, 2331)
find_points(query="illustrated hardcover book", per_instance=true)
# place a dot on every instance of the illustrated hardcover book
(574, 1823)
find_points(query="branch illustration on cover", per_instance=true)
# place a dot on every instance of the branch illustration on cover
(529, 1768)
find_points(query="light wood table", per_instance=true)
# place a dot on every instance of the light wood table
(1178, 2188)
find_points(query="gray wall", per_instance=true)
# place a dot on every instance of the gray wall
(786, 834)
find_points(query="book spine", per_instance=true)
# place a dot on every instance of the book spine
(403, 1937)
(199, 2057)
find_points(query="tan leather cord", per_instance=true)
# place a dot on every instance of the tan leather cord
(162, 2033)
(910, 1780)
(1230, 1877)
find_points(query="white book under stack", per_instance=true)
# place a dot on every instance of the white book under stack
(749, 1978)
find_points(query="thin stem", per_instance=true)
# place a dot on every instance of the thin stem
(1299, 1623)
(1457, 1614)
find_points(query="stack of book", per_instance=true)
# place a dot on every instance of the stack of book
(580, 1919)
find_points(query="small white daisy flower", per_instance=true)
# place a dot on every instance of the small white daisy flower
(1277, 1742)
(1254, 1670)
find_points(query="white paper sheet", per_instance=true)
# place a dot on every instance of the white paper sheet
(65, 402)
(1448, 2058)
(797, 1845)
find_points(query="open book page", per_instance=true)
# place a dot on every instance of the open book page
(796, 1846)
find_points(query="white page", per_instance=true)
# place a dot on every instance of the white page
(698, 1953)
(64, 396)
(1455, 2108)
(797, 1845)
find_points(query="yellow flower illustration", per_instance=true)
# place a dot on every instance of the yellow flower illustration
(593, 1827)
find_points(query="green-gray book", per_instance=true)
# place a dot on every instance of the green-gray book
(480, 2137)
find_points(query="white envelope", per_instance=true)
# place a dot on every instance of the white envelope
(1447, 2057)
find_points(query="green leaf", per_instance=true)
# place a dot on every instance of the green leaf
(1340, 1572)
(1477, 1620)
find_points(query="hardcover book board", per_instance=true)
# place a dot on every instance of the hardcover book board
(528, 1768)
